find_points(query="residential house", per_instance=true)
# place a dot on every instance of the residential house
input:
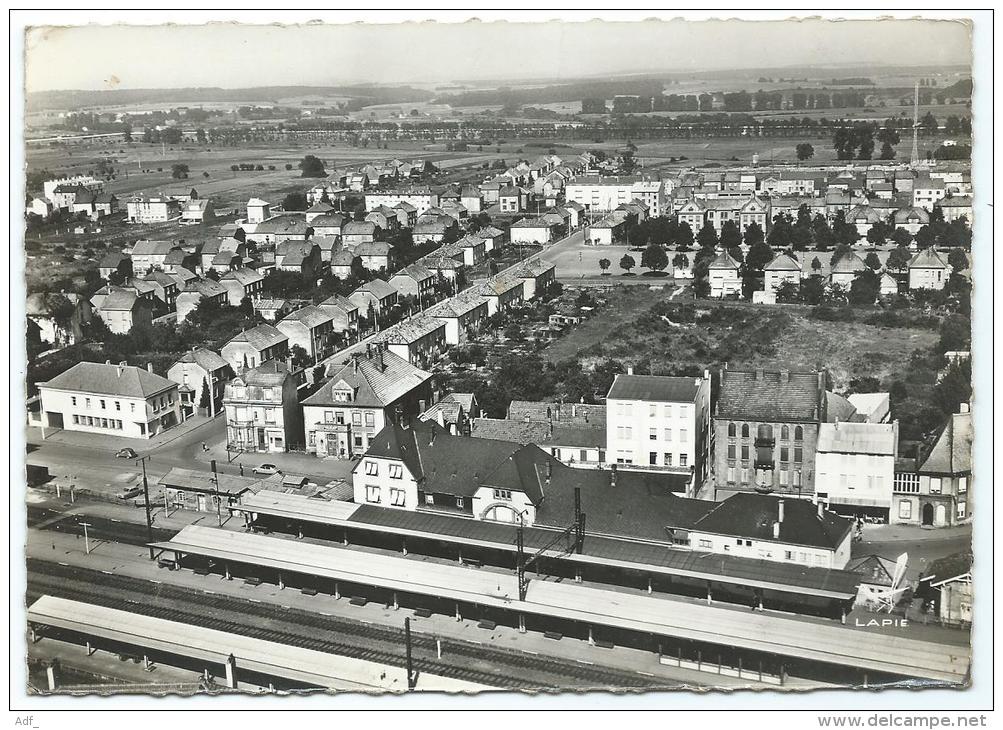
(660, 423)
(61, 317)
(512, 199)
(374, 255)
(954, 207)
(493, 238)
(531, 231)
(343, 308)
(343, 417)
(855, 467)
(574, 445)
(935, 490)
(197, 211)
(318, 209)
(470, 198)
(722, 274)
(419, 340)
(328, 246)
(201, 375)
(846, 268)
(766, 425)
(599, 193)
(311, 328)
(610, 230)
(537, 276)
(116, 264)
(432, 230)
(341, 263)
(472, 249)
(148, 255)
(414, 281)
(355, 233)
(407, 214)
(502, 293)
(904, 179)
(454, 412)
(179, 258)
(64, 196)
(210, 260)
(122, 309)
(420, 198)
(928, 270)
(262, 409)
(164, 287)
(113, 400)
(285, 227)
(374, 296)
(926, 192)
(258, 211)
(384, 218)
(151, 209)
(328, 224)
(889, 285)
(85, 182)
(254, 347)
(242, 283)
(272, 309)
(40, 207)
(783, 268)
(911, 219)
(299, 257)
(462, 314)
(197, 290)
(863, 218)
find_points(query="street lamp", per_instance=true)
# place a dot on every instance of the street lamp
(87, 544)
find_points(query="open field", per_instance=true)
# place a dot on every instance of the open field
(640, 325)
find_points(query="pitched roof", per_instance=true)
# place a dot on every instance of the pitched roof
(267, 374)
(948, 567)
(373, 248)
(654, 388)
(358, 228)
(311, 316)
(952, 452)
(378, 288)
(243, 275)
(849, 263)
(120, 300)
(724, 260)
(581, 414)
(540, 432)
(328, 220)
(204, 358)
(261, 337)
(372, 385)
(152, 248)
(126, 381)
(928, 259)
(289, 224)
(769, 395)
(782, 262)
(875, 569)
(752, 516)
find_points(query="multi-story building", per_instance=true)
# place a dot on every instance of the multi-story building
(597, 193)
(926, 192)
(311, 328)
(783, 268)
(152, 209)
(935, 489)
(855, 467)
(462, 315)
(419, 340)
(262, 409)
(343, 417)
(255, 347)
(723, 276)
(659, 423)
(114, 400)
(928, 270)
(241, 283)
(201, 376)
(765, 431)
(421, 198)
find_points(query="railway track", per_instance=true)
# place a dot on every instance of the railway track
(98, 528)
(480, 663)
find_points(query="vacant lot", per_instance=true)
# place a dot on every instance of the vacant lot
(647, 329)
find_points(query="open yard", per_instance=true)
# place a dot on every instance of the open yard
(646, 329)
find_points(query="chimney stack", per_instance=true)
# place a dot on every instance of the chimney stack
(776, 530)
(821, 510)
(355, 364)
(780, 510)
(149, 367)
(964, 407)
(550, 470)
(421, 405)
(612, 475)
(630, 370)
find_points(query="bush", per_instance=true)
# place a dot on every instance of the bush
(826, 313)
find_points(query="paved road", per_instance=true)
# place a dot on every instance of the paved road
(922, 545)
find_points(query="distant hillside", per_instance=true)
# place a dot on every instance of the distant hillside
(79, 99)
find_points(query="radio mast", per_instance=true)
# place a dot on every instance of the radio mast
(915, 127)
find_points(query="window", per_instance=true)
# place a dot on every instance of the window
(668, 411)
(73, 399)
(652, 410)
(102, 402)
(684, 460)
(358, 442)
(328, 416)
(668, 434)
(934, 485)
(667, 459)
(745, 430)
(705, 544)
(652, 434)
(905, 510)
(731, 475)
(798, 454)
(731, 430)
(372, 493)
(397, 497)
(745, 476)
(798, 433)
(745, 452)
(731, 451)
(583, 455)
(788, 555)
(653, 458)
(339, 418)
(87, 402)
(796, 479)
(962, 485)
(396, 471)
(682, 435)
(962, 509)
(785, 433)
(784, 453)
(76, 418)
(132, 407)
(356, 418)
(372, 469)
(503, 494)
(429, 499)
(628, 432)
(783, 477)
(370, 418)
(459, 502)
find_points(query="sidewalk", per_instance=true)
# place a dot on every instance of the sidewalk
(906, 533)
(111, 444)
(133, 561)
(290, 463)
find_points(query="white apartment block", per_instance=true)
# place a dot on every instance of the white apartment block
(597, 193)
(420, 199)
(659, 423)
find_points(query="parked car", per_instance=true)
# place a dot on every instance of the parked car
(130, 492)
(127, 453)
(266, 470)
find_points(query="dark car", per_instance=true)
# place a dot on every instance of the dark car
(127, 453)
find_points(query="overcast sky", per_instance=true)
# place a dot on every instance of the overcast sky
(232, 56)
